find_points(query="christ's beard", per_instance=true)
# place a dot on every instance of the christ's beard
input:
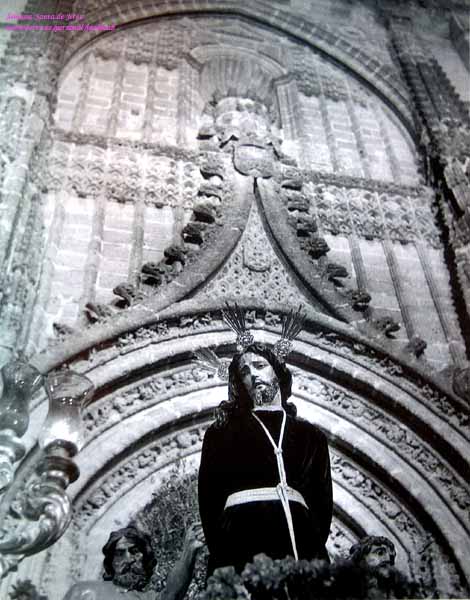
(265, 394)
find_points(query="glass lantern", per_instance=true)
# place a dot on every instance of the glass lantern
(69, 393)
(20, 382)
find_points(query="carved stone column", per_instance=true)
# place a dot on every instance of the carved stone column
(28, 79)
(444, 126)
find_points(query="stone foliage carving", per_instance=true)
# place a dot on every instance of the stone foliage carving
(455, 415)
(360, 300)
(403, 441)
(317, 77)
(154, 390)
(55, 176)
(25, 590)
(320, 212)
(416, 346)
(165, 43)
(381, 502)
(85, 175)
(209, 207)
(18, 284)
(456, 178)
(98, 312)
(93, 166)
(128, 295)
(124, 177)
(387, 326)
(455, 206)
(374, 65)
(254, 270)
(445, 139)
(243, 126)
(380, 363)
(171, 46)
(27, 59)
(372, 185)
(372, 215)
(396, 435)
(287, 212)
(170, 448)
(171, 182)
(339, 540)
(461, 382)
(126, 475)
(11, 126)
(375, 496)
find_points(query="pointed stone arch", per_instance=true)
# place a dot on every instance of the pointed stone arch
(398, 449)
(380, 78)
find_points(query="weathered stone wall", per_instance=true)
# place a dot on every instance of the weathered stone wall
(112, 210)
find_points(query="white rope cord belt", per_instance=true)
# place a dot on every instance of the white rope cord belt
(263, 495)
(282, 490)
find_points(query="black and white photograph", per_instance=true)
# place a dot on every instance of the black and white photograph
(234, 299)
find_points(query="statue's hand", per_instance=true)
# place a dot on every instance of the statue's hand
(194, 538)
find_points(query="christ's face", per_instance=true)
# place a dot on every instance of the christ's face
(128, 564)
(260, 380)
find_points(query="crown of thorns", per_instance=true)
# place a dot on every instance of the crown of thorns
(234, 317)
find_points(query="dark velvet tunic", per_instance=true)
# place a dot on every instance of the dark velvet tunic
(239, 457)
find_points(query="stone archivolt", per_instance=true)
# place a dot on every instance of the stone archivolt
(97, 496)
(109, 413)
(201, 315)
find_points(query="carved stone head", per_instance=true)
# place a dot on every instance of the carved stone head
(128, 559)
(373, 551)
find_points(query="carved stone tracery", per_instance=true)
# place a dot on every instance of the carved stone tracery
(374, 215)
(254, 270)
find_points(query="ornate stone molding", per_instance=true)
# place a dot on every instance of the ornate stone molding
(309, 271)
(114, 145)
(94, 502)
(445, 139)
(254, 270)
(404, 440)
(398, 216)
(351, 182)
(423, 549)
(143, 325)
(392, 433)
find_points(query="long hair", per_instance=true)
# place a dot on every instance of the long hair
(239, 402)
(140, 540)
